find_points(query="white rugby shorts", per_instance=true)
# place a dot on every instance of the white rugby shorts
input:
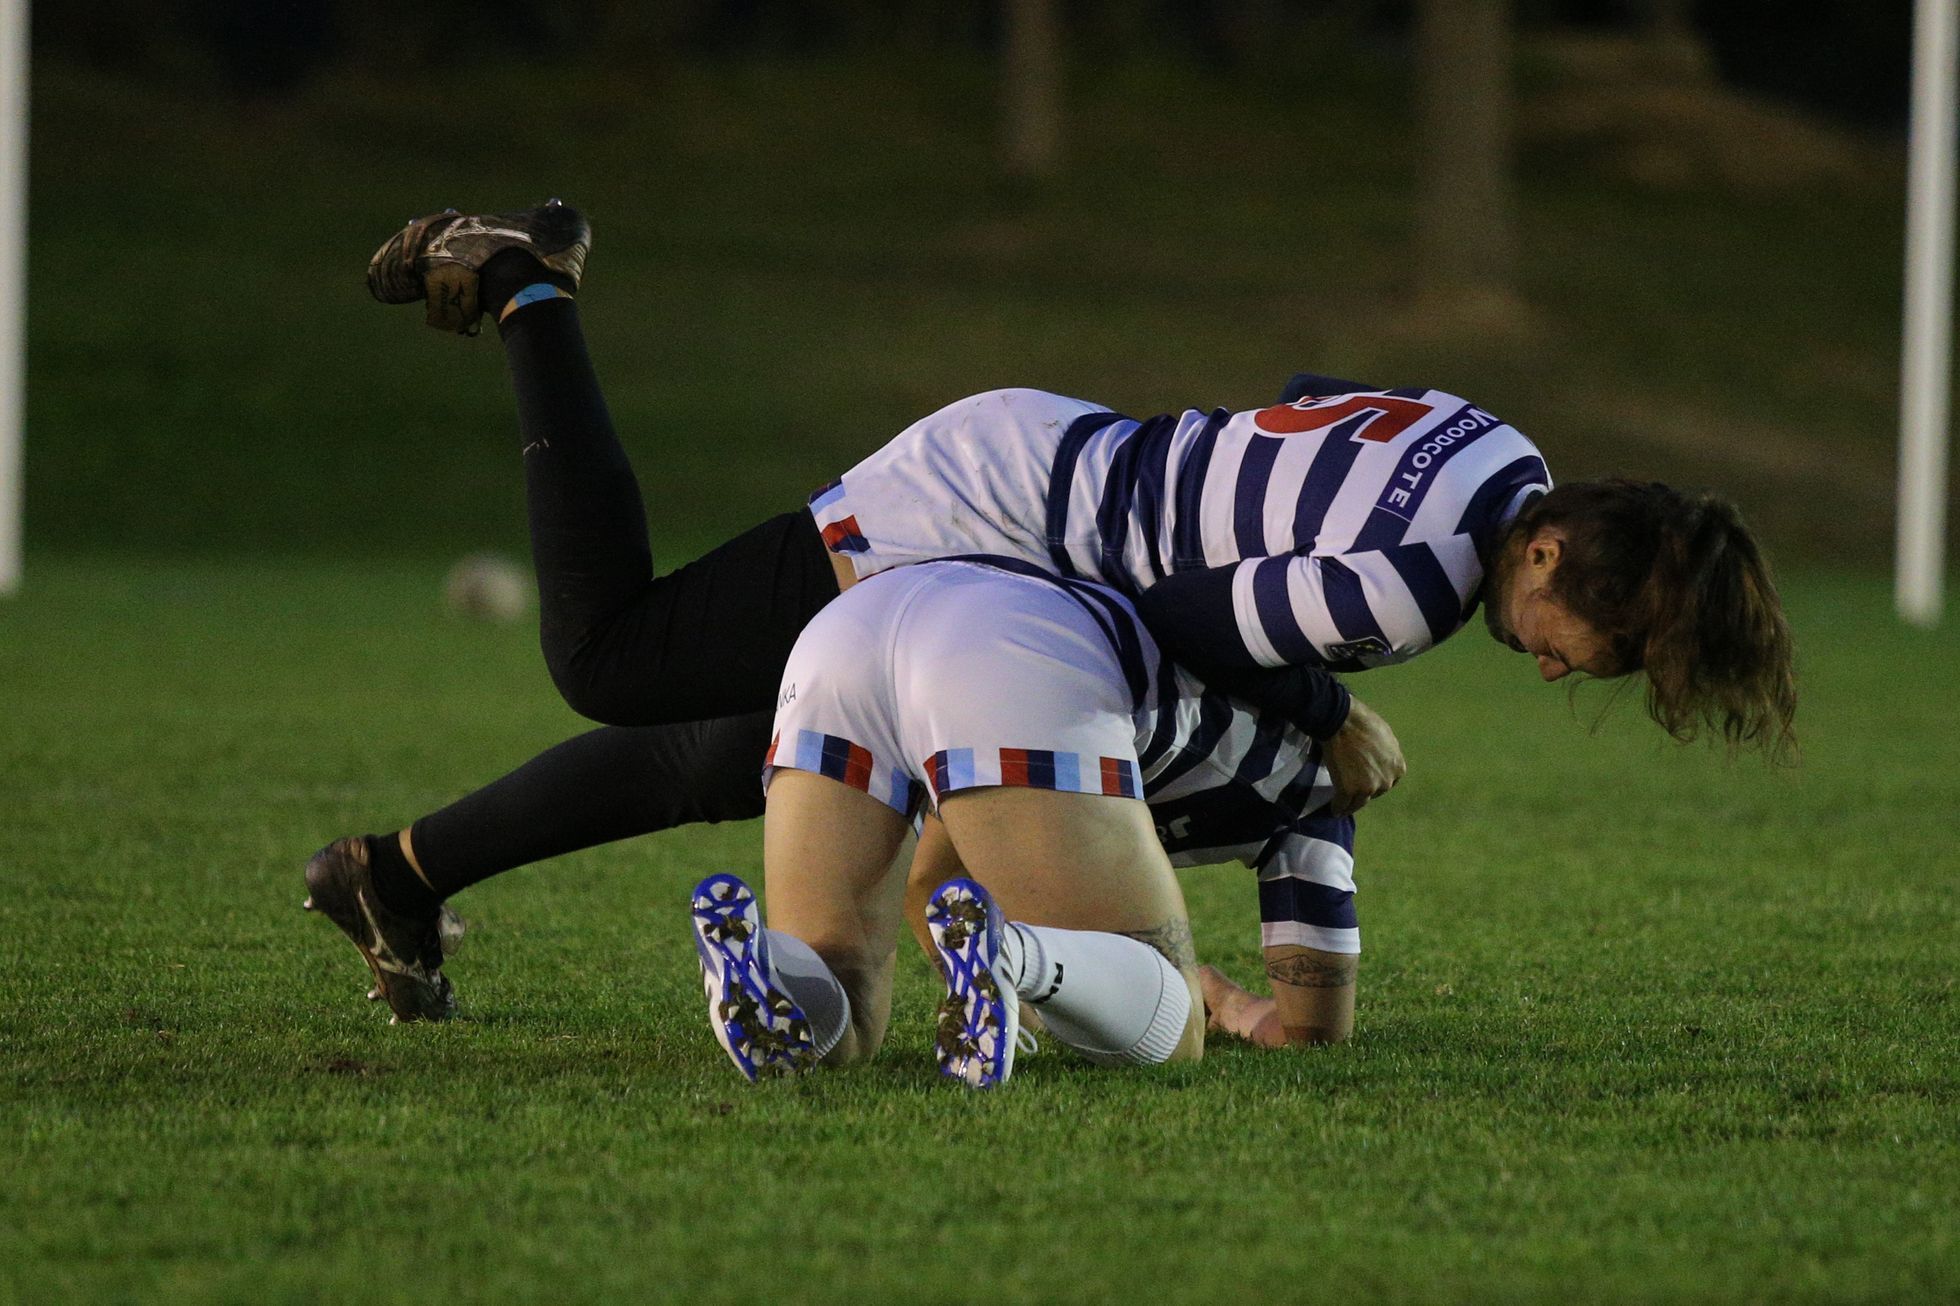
(971, 478)
(923, 681)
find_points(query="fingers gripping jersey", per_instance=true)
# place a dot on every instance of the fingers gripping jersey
(1349, 530)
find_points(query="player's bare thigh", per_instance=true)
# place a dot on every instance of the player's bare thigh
(1074, 861)
(833, 879)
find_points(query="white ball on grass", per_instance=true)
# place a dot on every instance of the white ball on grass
(487, 587)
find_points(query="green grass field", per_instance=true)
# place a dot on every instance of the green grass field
(1635, 1024)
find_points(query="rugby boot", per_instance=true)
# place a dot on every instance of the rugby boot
(759, 1025)
(979, 1025)
(405, 953)
(439, 258)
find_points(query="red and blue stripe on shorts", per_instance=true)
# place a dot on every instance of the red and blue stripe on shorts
(840, 759)
(841, 535)
(952, 769)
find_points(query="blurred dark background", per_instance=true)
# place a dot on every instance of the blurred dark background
(1838, 57)
(1661, 236)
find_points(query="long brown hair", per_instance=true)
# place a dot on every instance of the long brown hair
(1677, 584)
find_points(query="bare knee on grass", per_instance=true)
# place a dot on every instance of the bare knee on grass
(1192, 1046)
(1076, 862)
(833, 880)
(868, 985)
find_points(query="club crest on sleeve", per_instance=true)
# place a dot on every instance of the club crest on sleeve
(1368, 646)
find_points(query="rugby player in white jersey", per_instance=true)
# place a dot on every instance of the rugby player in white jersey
(1069, 766)
(1345, 529)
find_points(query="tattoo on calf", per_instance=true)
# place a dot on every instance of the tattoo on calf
(1306, 972)
(1173, 939)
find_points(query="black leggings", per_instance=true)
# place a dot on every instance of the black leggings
(692, 660)
(594, 788)
(626, 647)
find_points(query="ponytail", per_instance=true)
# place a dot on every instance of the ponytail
(1678, 586)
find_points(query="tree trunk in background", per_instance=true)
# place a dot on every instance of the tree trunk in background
(1464, 225)
(1031, 88)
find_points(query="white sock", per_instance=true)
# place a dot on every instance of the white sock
(810, 983)
(1113, 999)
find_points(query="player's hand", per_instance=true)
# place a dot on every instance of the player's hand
(1232, 1010)
(1364, 760)
(1225, 1002)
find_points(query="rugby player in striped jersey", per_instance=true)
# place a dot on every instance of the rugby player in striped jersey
(1067, 766)
(1343, 529)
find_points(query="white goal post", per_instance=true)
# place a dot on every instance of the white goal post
(13, 280)
(1925, 373)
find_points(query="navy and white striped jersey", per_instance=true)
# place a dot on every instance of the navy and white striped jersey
(1354, 526)
(1351, 530)
(1226, 783)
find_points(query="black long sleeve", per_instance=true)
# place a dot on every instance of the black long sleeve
(1190, 616)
